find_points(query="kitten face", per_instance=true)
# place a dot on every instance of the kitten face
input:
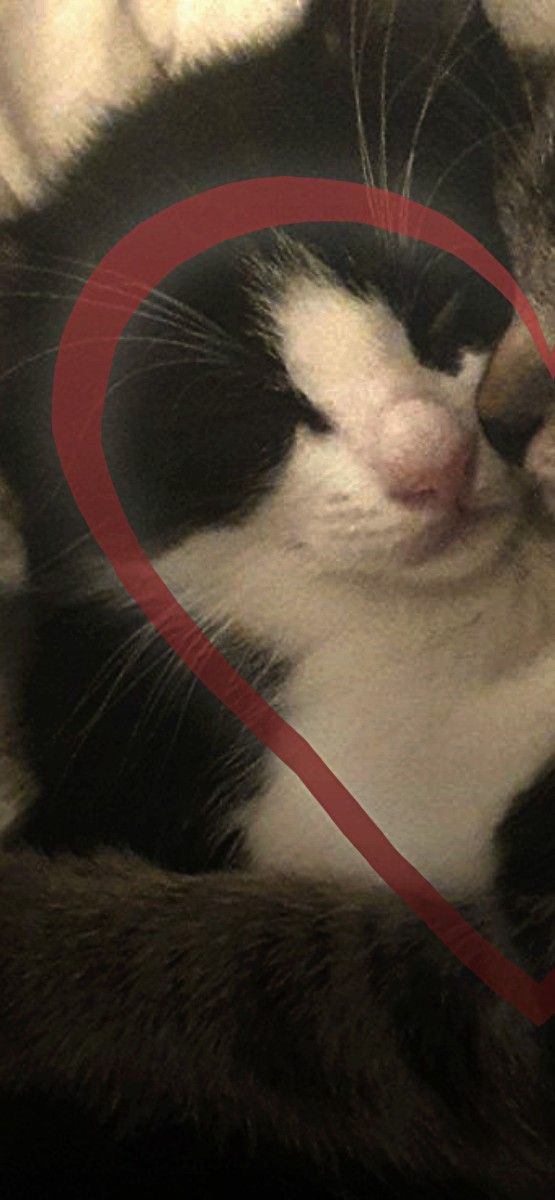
(392, 484)
(402, 474)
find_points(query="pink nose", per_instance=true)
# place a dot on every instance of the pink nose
(423, 454)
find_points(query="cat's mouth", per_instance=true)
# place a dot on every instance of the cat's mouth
(458, 529)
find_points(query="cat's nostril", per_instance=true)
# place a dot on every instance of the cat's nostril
(443, 485)
(424, 456)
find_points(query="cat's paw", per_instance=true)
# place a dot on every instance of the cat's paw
(524, 24)
(182, 31)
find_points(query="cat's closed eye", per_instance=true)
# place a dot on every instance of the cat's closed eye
(469, 316)
(447, 328)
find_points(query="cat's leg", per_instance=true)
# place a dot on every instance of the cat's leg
(332, 1020)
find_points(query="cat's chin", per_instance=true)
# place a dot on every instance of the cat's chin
(470, 544)
(447, 552)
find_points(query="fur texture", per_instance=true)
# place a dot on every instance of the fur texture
(108, 53)
(517, 393)
(325, 986)
(338, 1026)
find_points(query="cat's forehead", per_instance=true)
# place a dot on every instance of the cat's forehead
(350, 354)
(333, 343)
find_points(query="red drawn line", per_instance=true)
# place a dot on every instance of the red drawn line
(149, 253)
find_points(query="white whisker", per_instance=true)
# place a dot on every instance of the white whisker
(441, 73)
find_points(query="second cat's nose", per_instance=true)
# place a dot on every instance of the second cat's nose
(423, 455)
(516, 396)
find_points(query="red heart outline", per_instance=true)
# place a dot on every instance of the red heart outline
(87, 347)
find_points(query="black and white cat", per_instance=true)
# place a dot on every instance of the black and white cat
(321, 413)
(292, 428)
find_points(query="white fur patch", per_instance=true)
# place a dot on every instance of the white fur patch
(184, 31)
(525, 24)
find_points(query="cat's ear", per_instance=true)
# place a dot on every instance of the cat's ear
(524, 24)
(184, 31)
